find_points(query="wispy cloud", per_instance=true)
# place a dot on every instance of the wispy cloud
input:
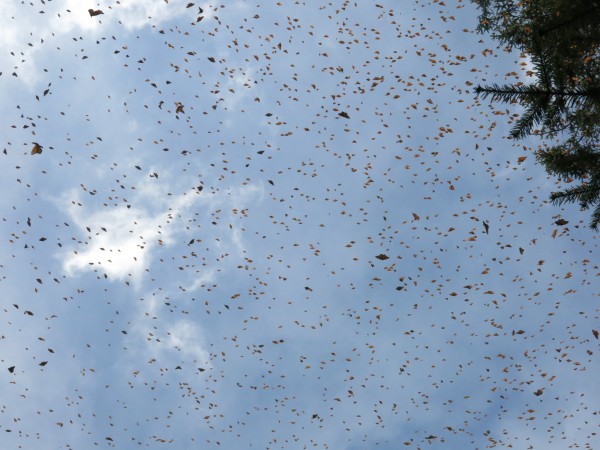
(120, 240)
(24, 30)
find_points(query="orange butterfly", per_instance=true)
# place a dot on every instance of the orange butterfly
(37, 149)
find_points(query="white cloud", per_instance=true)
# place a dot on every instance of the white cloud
(136, 14)
(187, 337)
(238, 88)
(25, 28)
(184, 339)
(123, 251)
(122, 240)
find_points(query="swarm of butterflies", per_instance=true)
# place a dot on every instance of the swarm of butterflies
(342, 250)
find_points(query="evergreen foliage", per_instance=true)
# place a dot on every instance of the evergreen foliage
(562, 40)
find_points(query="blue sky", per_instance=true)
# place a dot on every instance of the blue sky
(254, 312)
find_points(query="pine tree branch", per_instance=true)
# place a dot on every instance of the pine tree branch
(596, 6)
(595, 222)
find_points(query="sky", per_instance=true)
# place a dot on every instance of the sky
(261, 225)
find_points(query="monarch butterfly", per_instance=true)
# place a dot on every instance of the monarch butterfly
(37, 149)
